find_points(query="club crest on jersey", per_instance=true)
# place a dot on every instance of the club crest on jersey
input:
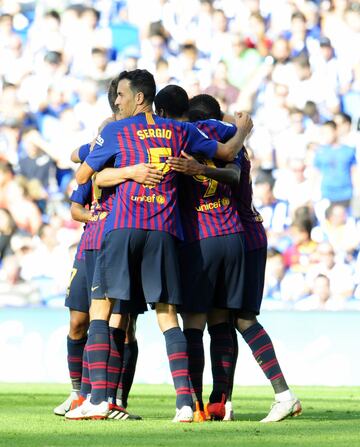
(99, 140)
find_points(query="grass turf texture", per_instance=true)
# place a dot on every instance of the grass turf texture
(331, 418)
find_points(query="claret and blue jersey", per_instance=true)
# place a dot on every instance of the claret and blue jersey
(147, 138)
(255, 235)
(207, 206)
(82, 195)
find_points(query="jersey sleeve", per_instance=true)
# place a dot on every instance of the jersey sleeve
(106, 147)
(196, 142)
(84, 151)
(220, 130)
(82, 194)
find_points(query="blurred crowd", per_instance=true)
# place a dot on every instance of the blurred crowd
(293, 64)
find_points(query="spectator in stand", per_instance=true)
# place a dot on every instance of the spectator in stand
(274, 212)
(297, 35)
(221, 87)
(7, 184)
(337, 165)
(242, 62)
(258, 38)
(220, 37)
(294, 133)
(340, 274)
(34, 164)
(320, 296)
(297, 257)
(340, 230)
(293, 185)
(25, 213)
(7, 230)
(307, 87)
(281, 288)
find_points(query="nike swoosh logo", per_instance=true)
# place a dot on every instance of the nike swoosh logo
(94, 288)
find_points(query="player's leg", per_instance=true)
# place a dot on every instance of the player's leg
(229, 411)
(197, 298)
(176, 349)
(117, 327)
(98, 351)
(257, 338)
(118, 410)
(221, 353)
(77, 301)
(194, 325)
(228, 264)
(161, 285)
(129, 364)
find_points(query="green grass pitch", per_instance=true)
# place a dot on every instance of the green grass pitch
(331, 417)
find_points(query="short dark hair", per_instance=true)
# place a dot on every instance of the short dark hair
(112, 94)
(265, 176)
(331, 124)
(174, 100)
(345, 118)
(140, 81)
(53, 57)
(204, 107)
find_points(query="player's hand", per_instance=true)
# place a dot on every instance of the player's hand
(146, 174)
(244, 122)
(186, 164)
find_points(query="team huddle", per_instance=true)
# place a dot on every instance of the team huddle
(166, 200)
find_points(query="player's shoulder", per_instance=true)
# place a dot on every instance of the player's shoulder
(212, 122)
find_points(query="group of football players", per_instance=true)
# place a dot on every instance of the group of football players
(166, 199)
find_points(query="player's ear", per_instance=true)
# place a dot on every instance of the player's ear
(160, 112)
(139, 98)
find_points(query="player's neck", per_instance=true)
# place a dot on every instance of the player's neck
(143, 108)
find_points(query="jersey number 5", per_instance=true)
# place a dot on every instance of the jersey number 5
(158, 156)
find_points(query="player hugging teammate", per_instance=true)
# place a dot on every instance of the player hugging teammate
(171, 225)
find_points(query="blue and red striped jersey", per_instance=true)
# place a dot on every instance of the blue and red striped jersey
(208, 207)
(255, 235)
(147, 138)
(82, 195)
(103, 199)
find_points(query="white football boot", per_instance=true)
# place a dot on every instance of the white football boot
(282, 410)
(184, 414)
(63, 408)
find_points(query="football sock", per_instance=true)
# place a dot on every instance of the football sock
(179, 365)
(114, 365)
(128, 371)
(284, 396)
(75, 349)
(234, 361)
(195, 349)
(98, 349)
(263, 351)
(221, 353)
(85, 380)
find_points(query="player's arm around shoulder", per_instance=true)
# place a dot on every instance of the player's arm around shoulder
(188, 165)
(143, 173)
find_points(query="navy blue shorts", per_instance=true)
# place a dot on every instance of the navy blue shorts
(137, 265)
(77, 296)
(255, 262)
(94, 275)
(212, 271)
